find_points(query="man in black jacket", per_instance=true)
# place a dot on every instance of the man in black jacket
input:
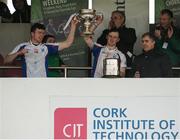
(151, 63)
(127, 35)
(22, 13)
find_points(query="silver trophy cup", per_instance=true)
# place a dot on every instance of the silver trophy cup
(88, 18)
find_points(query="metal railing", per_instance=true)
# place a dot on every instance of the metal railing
(59, 68)
(68, 68)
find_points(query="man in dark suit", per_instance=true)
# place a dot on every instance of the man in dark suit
(151, 63)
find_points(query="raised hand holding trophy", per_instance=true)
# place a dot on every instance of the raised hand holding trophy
(88, 18)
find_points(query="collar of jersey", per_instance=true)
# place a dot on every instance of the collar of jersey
(34, 44)
(110, 50)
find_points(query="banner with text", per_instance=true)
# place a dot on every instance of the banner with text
(115, 117)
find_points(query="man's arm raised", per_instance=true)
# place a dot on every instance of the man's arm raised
(68, 42)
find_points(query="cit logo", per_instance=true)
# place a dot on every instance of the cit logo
(70, 123)
(76, 130)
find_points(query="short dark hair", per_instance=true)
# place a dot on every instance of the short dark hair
(46, 38)
(150, 35)
(37, 26)
(121, 13)
(114, 30)
(168, 12)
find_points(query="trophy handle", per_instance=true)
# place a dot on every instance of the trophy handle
(79, 18)
(100, 14)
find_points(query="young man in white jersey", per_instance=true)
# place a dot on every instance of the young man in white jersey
(34, 53)
(108, 51)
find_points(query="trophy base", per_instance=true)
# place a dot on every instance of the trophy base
(87, 33)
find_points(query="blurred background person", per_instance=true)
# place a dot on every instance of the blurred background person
(5, 15)
(168, 38)
(22, 12)
(54, 60)
(50, 28)
(1, 64)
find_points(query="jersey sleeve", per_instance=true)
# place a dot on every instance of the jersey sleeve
(96, 50)
(17, 48)
(52, 48)
(123, 61)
